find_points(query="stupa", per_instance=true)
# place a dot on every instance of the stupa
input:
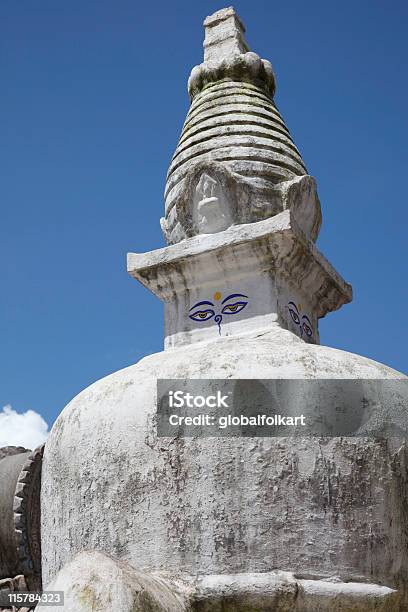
(131, 520)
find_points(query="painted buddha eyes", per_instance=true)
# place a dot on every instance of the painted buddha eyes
(202, 315)
(205, 315)
(303, 321)
(228, 307)
(234, 308)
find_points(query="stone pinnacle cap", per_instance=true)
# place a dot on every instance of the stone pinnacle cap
(224, 35)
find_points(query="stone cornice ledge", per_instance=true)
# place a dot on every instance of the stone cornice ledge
(276, 244)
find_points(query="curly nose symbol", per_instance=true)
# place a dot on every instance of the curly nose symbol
(218, 319)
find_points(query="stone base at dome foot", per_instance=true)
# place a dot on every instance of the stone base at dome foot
(97, 582)
(283, 592)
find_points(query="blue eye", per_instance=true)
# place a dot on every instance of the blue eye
(295, 316)
(234, 308)
(202, 315)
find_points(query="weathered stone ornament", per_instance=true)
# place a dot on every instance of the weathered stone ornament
(237, 524)
(211, 213)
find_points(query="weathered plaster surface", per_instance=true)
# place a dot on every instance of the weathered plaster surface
(218, 505)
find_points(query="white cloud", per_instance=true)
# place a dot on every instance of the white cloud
(27, 429)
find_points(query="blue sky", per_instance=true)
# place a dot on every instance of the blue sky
(93, 100)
